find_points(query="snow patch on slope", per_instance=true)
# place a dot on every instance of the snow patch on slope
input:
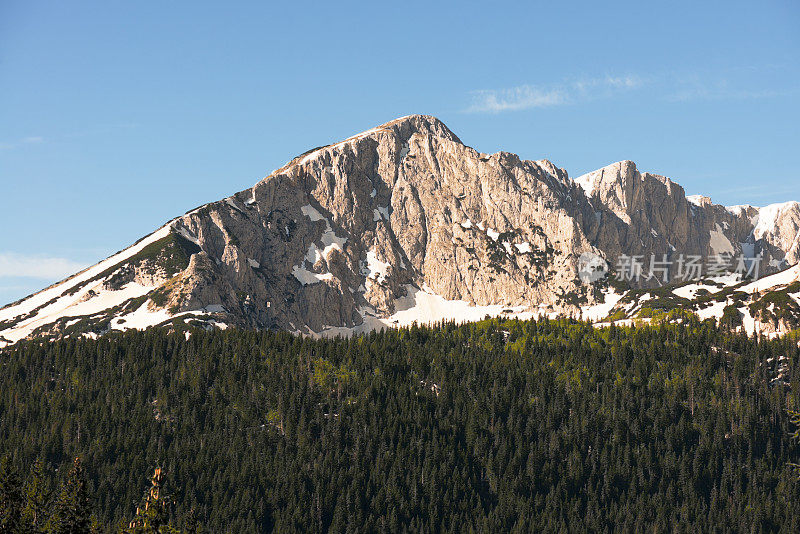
(42, 297)
(56, 302)
(601, 311)
(715, 310)
(782, 278)
(144, 317)
(586, 182)
(767, 218)
(316, 153)
(306, 277)
(423, 306)
(690, 291)
(329, 237)
(739, 210)
(698, 200)
(311, 212)
(375, 269)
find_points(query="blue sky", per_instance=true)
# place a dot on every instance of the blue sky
(116, 116)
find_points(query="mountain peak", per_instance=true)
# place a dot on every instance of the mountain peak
(612, 173)
(424, 124)
(699, 200)
(402, 127)
(397, 224)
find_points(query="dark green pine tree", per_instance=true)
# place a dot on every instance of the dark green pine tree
(72, 513)
(152, 516)
(37, 498)
(794, 418)
(11, 498)
(191, 525)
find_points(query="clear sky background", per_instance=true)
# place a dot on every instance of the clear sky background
(117, 116)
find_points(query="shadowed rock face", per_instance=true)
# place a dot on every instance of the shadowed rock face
(778, 226)
(643, 213)
(343, 230)
(350, 225)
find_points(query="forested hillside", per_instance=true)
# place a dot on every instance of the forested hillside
(495, 426)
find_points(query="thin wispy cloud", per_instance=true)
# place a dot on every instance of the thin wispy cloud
(515, 99)
(666, 87)
(720, 91)
(13, 264)
(745, 82)
(538, 96)
(29, 140)
(101, 129)
(606, 83)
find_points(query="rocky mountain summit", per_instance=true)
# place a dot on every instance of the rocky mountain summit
(400, 223)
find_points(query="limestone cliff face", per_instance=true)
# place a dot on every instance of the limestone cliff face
(347, 227)
(778, 226)
(643, 213)
(342, 232)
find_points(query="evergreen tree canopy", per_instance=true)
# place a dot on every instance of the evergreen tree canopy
(502, 425)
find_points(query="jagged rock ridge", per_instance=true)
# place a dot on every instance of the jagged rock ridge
(392, 225)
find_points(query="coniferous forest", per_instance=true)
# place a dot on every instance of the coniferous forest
(498, 426)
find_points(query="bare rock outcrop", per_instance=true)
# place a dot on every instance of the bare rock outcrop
(342, 232)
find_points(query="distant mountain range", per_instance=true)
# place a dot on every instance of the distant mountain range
(405, 223)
